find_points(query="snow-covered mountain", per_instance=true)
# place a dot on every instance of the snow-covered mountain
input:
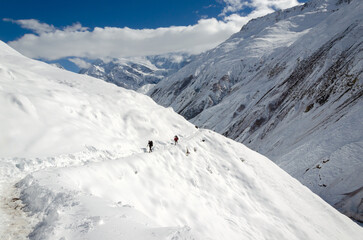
(289, 85)
(133, 73)
(74, 166)
(58, 65)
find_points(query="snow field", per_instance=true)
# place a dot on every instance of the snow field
(236, 87)
(76, 148)
(220, 190)
(66, 105)
(53, 118)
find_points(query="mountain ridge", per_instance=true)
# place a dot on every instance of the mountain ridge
(277, 84)
(75, 147)
(134, 73)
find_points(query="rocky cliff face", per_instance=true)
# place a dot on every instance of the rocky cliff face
(133, 73)
(290, 86)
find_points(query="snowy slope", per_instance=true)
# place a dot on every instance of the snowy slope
(75, 147)
(289, 85)
(133, 73)
(49, 111)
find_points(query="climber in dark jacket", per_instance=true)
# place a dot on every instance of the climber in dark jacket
(150, 145)
(176, 139)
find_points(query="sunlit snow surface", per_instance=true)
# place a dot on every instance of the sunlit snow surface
(264, 87)
(75, 148)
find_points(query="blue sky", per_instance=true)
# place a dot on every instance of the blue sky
(133, 14)
(78, 30)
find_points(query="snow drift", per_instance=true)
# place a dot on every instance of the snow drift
(75, 147)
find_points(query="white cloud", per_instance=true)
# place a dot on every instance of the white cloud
(80, 42)
(75, 27)
(259, 6)
(233, 6)
(123, 42)
(32, 24)
(177, 58)
(80, 62)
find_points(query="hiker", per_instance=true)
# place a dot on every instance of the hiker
(176, 139)
(150, 145)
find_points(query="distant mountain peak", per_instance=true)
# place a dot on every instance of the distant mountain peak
(135, 72)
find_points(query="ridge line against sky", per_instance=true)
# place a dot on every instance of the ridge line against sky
(43, 40)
